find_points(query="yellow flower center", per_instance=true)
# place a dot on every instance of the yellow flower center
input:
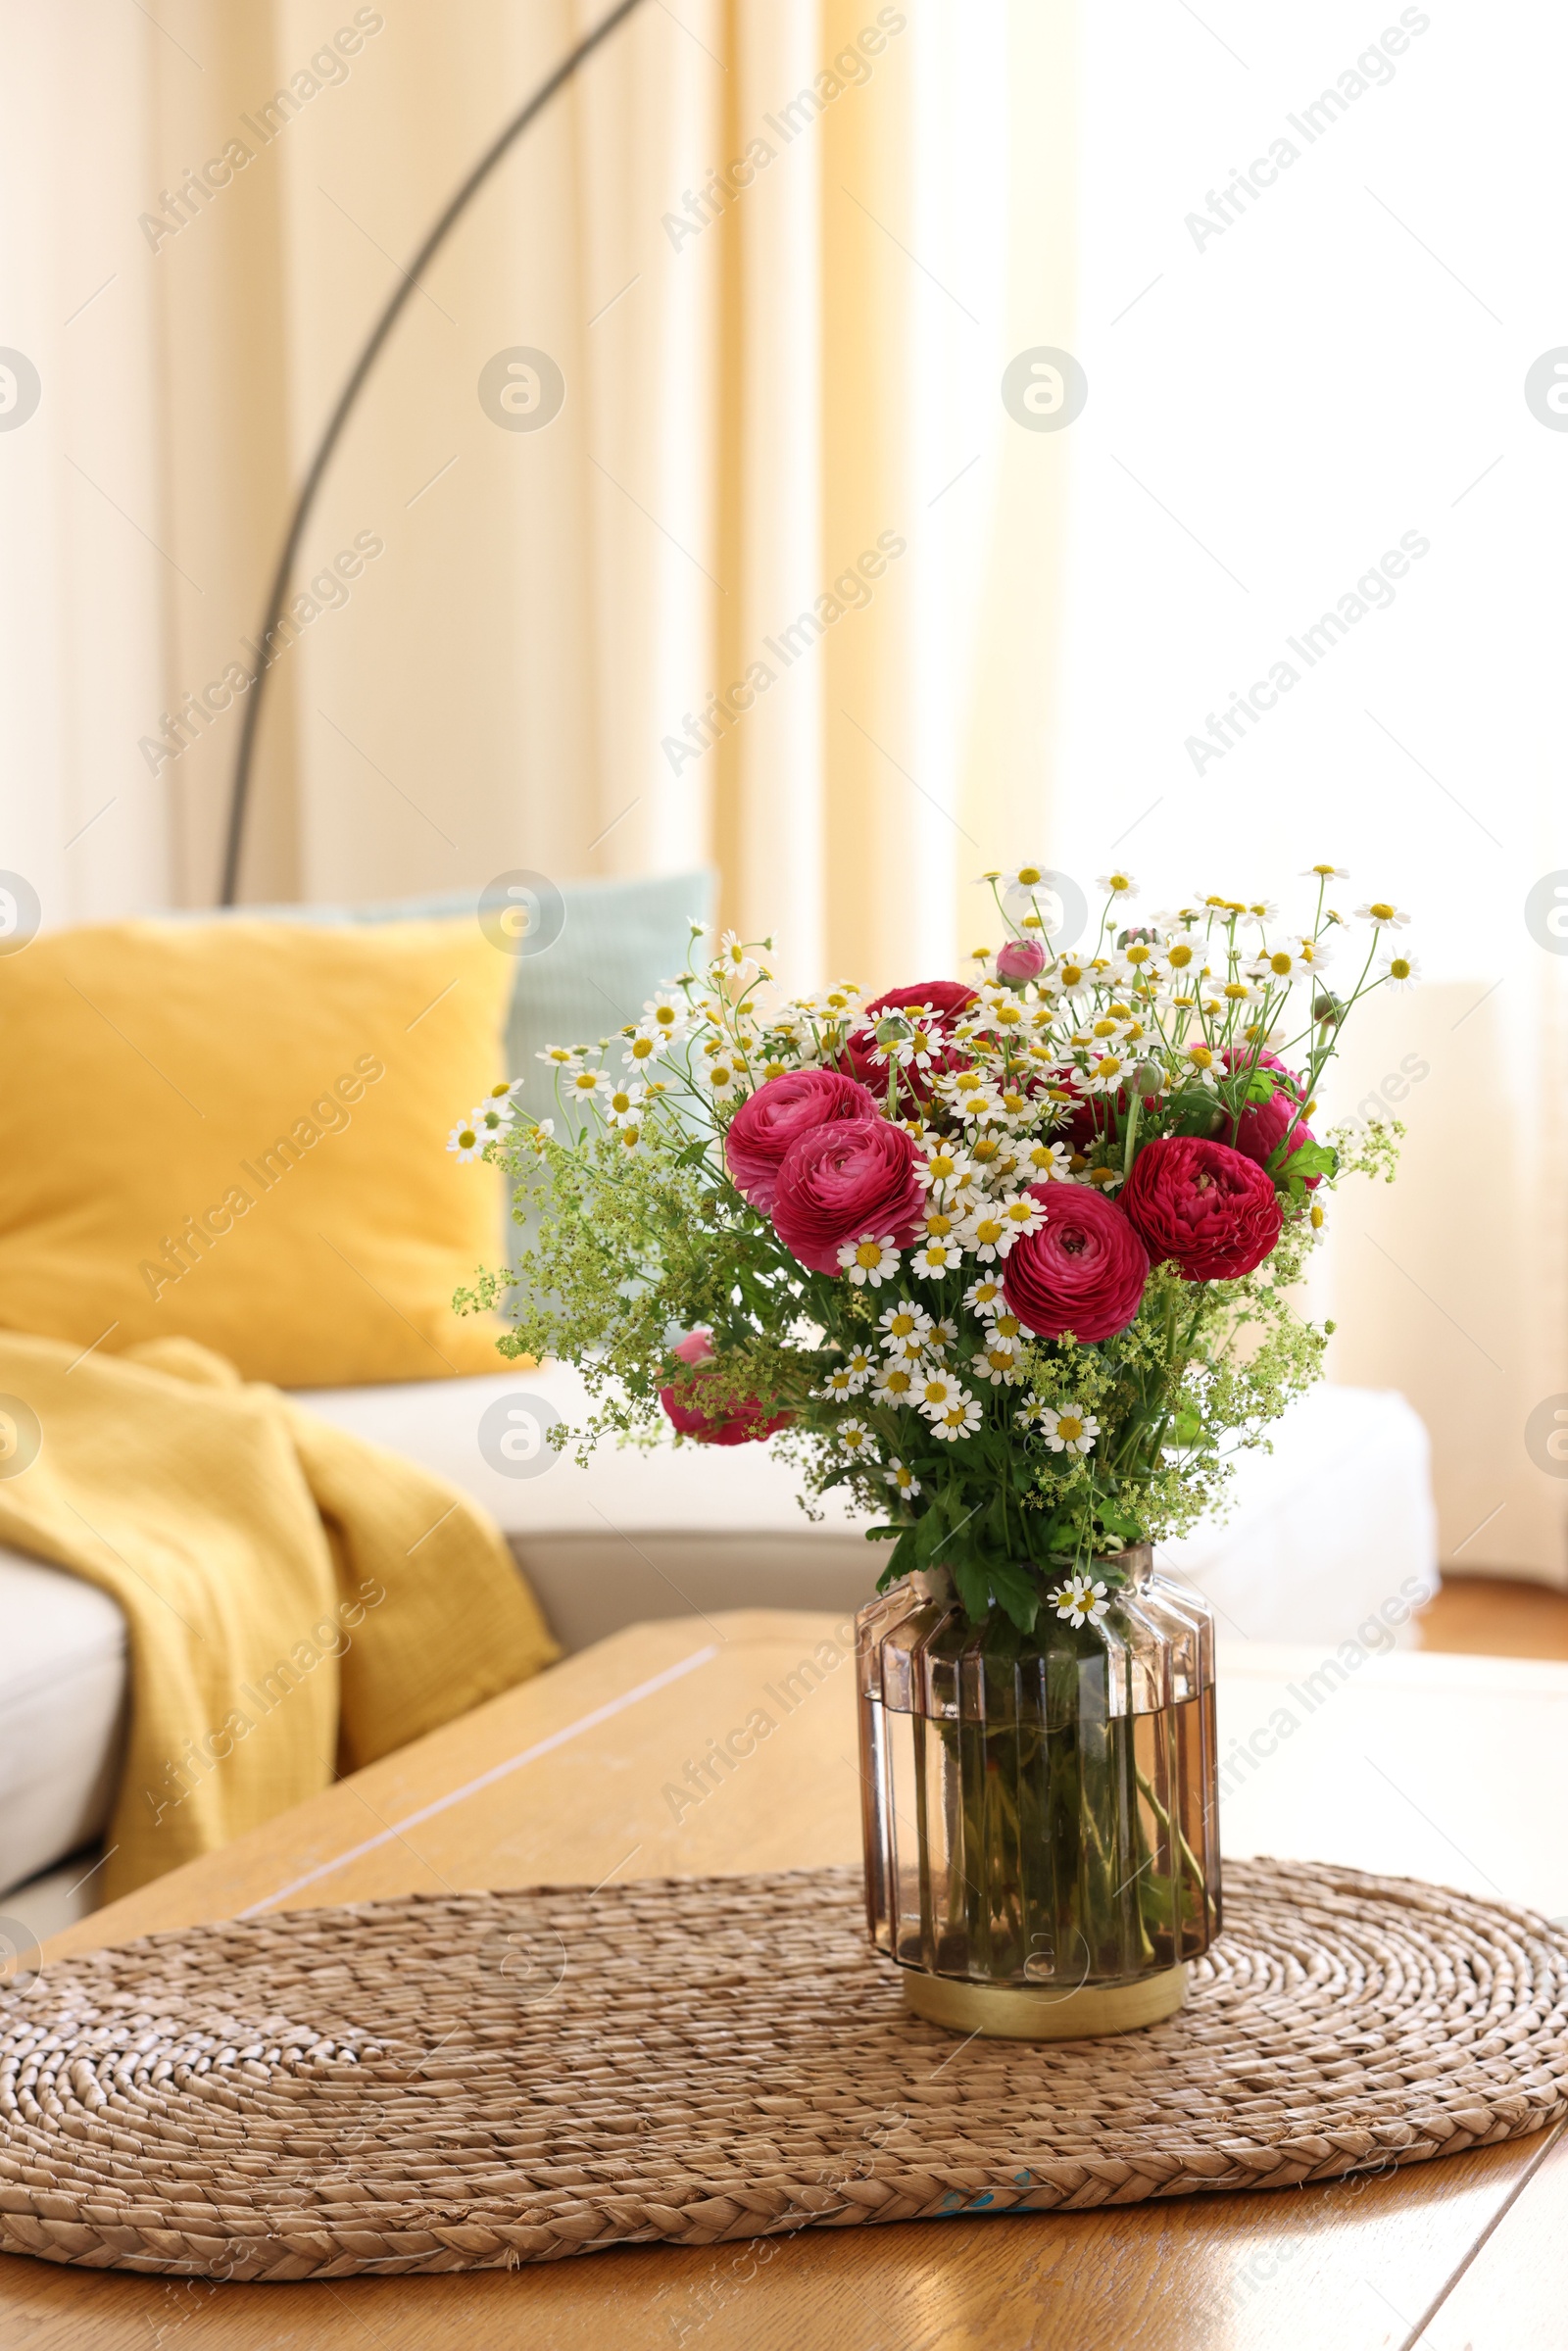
(1398, 968)
(1029, 875)
(1119, 881)
(1381, 910)
(1179, 958)
(468, 1139)
(1069, 1429)
(868, 1253)
(1280, 963)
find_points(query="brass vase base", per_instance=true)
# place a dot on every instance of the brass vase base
(1013, 2012)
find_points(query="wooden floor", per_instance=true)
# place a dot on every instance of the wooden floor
(1485, 1616)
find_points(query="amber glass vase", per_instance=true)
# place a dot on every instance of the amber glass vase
(1041, 1849)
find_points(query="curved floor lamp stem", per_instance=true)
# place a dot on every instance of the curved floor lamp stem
(239, 793)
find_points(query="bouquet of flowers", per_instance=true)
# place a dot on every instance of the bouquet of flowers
(1011, 1258)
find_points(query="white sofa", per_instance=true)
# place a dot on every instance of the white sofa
(1323, 1530)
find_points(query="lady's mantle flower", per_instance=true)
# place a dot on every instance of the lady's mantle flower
(1069, 1429)
(1078, 1600)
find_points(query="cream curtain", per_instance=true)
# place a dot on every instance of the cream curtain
(763, 381)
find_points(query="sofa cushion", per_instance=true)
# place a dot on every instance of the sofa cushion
(62, 1713)
(1319, 1533)
(234, 1132)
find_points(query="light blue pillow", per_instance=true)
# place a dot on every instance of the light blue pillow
(619, 942)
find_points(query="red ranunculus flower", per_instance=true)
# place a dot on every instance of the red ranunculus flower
(741, 1424)
(852, 1180)
(946, 1000)
(1263, 1126)
(776, 1116)
(1209, 1209)
(1083, 1270)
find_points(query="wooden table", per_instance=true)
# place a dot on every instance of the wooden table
(1441, 1766)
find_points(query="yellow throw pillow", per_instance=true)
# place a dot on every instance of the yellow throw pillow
(236, 1132)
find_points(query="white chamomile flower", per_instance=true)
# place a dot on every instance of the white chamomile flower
(466, 1141)
(719, 1075)
(897, 1384)
(1326, 873)
(1078, 1600)
(643, 1048)
(869, 1260)
(1107, 1075)
(940, 1224)
(998, 1363)
(942, 1335)
(1116, 885)
(1401, 972)
(1007, 1327)
(840, 1381)
(1027, 878)
(500, 1100)
(936, 1390)
(934, 1258)
(984, 1298)
(1381, 915)
(903, 1322)
(943, 1168)
(629, 1135)
(1279, 966)
(667, 1016)
(1021, 1215)
(1047, 1162)
(905, 1040)
(1263, 910)
(860, 1364)
(490, 1117)
(904, 1480)
(1068, 1429)
(563, 1057)
(623, 1104)
(854, 1436)
(587, 1085)
(732, 953)
(960, 1419)
(988, 1235)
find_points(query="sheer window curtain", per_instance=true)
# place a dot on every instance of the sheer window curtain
(1335, 356)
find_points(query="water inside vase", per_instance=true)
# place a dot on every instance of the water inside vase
(1023, 1827)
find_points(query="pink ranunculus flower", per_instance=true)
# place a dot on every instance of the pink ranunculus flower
(777, 1114)
(851, 1180)
(1206, 1209)
(1083, 1270)
(1263, 1126)
(1021, 960)
(741, 1424)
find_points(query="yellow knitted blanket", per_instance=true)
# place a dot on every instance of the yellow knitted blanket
(299, 1601)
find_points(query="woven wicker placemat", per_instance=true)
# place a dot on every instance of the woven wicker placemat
(489, 2078)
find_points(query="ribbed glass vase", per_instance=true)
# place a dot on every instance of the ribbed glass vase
(1042, 1847)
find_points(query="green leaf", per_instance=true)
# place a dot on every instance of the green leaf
(1313, 1159)
(1017, 1591)
(974, 1587)
(885, 1534)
